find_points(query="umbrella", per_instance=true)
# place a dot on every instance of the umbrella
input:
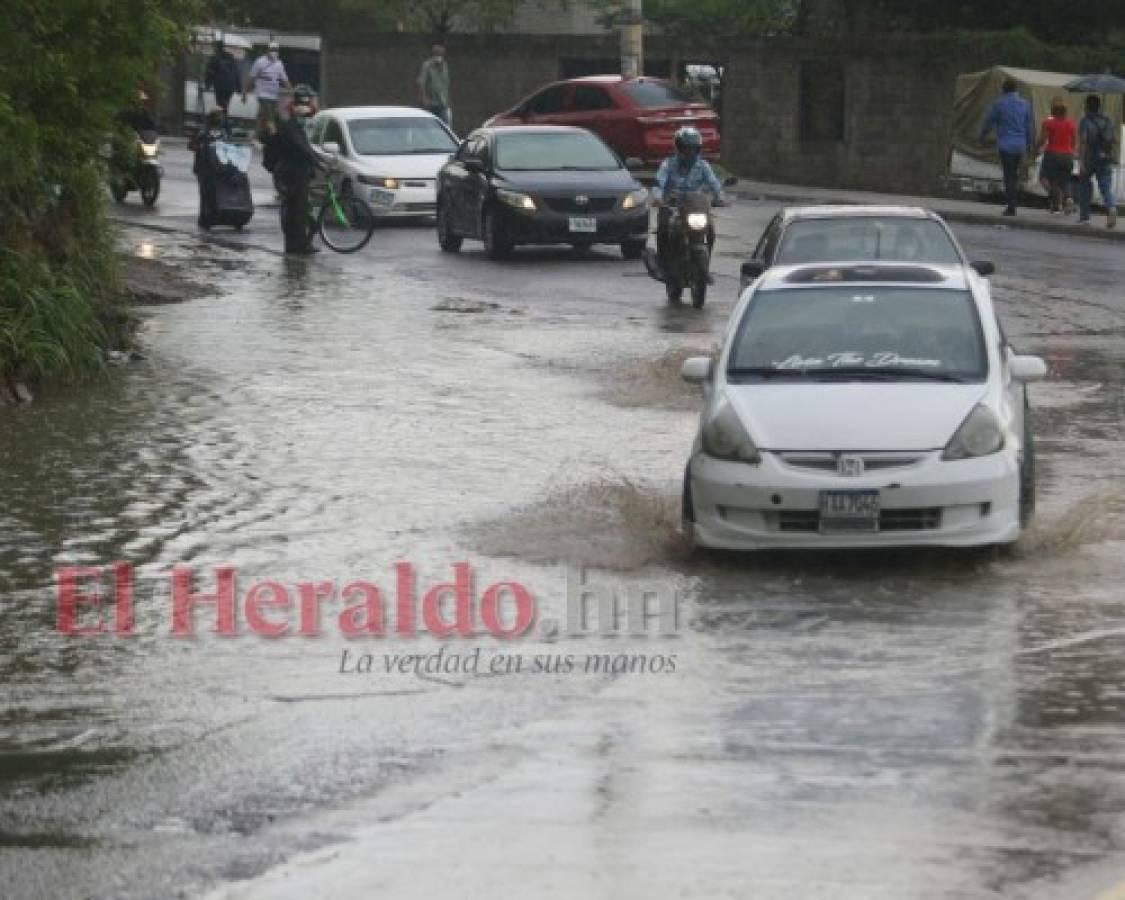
(1097, 84)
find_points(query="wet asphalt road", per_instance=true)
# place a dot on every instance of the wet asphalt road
(853, 725)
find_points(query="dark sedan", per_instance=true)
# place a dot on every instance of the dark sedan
(539, 185)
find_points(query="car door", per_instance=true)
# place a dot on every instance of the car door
(593, 107)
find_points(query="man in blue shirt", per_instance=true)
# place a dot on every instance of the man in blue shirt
(1010, 116)
(685, 172)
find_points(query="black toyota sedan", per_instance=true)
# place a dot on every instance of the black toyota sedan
(539, 185)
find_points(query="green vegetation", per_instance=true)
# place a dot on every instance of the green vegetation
(66, 68)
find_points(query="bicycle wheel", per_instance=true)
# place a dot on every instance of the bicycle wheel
(346, 223)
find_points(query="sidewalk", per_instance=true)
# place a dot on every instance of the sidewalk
(971, 211)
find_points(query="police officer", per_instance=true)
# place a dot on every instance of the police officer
(293, 163)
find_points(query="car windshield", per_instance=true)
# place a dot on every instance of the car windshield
(860, 332)
(400, 136)
(655, 94)
(867, 238)
(546, 151)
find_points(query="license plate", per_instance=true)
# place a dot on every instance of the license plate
(381, 198)
(849, 510)
(583, 225)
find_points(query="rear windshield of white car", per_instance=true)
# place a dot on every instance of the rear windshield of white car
(543, 151)
(655, 94)
(880, 333)
(400, 136)
(866, 239)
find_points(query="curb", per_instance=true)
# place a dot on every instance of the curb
(967, 217)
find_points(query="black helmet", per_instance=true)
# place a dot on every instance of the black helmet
(688, 139)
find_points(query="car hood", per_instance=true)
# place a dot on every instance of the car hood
(422, 165)
(853, 415)
(618, 180)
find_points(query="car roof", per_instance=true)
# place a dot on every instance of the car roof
(382, 112)
(860, 273)
(856, 211)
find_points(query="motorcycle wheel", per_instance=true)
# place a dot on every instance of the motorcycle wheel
(150, 190)
(701, 268)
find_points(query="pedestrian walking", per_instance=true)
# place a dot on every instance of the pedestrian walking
(1010, 117)
(1095, 160)
(1058, 142)
(267, 78)
(433, 84)
(222, 77)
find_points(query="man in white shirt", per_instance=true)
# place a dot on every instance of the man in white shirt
(267, 78)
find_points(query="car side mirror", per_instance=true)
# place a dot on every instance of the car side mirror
(633, 164)
(696, 369)
(753, 269)
(475, 166)
(331, 148)
(984, 267)
(1027, 368)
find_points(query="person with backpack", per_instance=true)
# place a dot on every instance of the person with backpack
(1095, 158)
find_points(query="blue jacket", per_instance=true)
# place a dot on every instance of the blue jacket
(1010, 115)
(671, 179)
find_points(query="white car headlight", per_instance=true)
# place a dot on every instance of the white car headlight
(635, 199)
(724, 436)
(697, 221)
(979, 435)
(516, 199)
(379, 181)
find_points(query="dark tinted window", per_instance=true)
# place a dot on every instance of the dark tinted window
(652, 94)
(548, 102)
(588, 98)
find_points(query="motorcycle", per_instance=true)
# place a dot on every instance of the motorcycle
(691, 234)
(137, 169)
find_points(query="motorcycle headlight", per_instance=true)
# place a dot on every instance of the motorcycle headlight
(724, 436)
(379, 181)
(149, 150)
(697, 221)
(979, 435)
(635, 199)
(516, 199)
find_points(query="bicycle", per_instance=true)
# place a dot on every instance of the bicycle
(343, 219)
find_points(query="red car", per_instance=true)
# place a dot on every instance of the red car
(637, 117)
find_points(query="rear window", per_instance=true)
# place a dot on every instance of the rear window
(867, 239)
(654, 94)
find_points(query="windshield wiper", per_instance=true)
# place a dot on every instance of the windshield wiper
(885, 373)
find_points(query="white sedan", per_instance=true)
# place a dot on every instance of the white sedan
(862, 405)
(389, 155)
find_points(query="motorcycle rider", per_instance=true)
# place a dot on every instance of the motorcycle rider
(684, 172)
(290, 156)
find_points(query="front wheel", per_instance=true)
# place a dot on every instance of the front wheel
(447, 240)
(632, 249)
(1027, 473)
(497, 244)
(346, 223)
(701, 268)
(150, 190)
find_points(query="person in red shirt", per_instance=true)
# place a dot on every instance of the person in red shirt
(1058, 142)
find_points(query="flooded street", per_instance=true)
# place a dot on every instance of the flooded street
(845, 725)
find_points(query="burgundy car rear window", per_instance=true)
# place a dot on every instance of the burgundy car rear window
(653, 94)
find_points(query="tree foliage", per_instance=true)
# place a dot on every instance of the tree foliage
(66, 68)
(436, 17)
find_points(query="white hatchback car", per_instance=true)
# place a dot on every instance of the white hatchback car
(862, 405)
(389, 155)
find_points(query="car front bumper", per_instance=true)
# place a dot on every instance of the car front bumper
(931, 502)
(545, 226)
(407, 200)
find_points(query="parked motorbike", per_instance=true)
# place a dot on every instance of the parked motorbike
(691, 234)
(137, 169)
